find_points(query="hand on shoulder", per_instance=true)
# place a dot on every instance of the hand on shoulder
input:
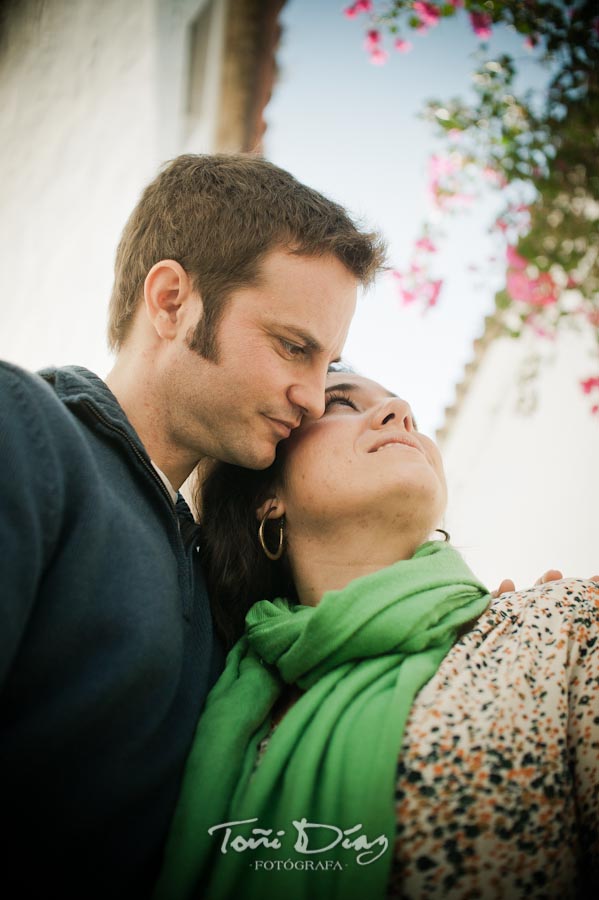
(507, 585)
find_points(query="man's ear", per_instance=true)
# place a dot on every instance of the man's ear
(276, 507)
(167, 290)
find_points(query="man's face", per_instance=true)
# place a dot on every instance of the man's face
(275, 342)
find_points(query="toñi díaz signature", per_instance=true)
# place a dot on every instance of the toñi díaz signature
(348, 839)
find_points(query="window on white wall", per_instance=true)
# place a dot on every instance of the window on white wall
(190, 41)
(198, 75)
(205, 41)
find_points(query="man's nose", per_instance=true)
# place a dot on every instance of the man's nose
(308, 395)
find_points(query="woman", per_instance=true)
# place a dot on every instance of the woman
(385, 730)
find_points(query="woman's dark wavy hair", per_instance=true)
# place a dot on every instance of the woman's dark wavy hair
(237, 571)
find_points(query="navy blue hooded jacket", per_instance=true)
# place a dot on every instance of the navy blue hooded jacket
(107, 649)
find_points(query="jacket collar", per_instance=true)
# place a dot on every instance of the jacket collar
(77, 386)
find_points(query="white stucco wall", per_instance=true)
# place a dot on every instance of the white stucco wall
(524, 488)
(92, 101)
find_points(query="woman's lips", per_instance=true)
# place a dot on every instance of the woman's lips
(396, 439)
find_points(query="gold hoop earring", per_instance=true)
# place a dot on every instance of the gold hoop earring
(445, 534)
(279, 551)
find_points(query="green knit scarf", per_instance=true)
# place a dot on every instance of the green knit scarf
(361, 655)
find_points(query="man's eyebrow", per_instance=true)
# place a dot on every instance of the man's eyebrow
(310, 342)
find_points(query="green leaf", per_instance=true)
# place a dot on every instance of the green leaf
(503, 300)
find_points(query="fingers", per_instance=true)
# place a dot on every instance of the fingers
(551, 575)
(506, 587)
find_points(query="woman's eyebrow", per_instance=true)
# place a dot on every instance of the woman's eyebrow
(345, 386)
(350, 386)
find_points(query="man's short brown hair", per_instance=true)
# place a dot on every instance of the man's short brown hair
(218, 216)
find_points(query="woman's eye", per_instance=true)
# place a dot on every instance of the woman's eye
(339, 399)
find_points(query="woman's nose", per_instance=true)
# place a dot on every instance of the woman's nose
(395, 411)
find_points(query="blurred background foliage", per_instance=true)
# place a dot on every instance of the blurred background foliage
(539, 151)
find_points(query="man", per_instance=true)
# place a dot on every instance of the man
(234, 289)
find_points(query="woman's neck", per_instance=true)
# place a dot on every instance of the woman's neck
(320, 563)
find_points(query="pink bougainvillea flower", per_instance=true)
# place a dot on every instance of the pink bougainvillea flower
(539, 328)
(593, 317)
(490, 174)
(449, 199)
(481, 24)
(428, 13)
(407, 297)
(595, 409)
(494, 177)
(432, 291)
(454, 199)
(514, 260)
(403, 46)
(355, 9)
(588, 384)
(425, 243)
(372, 41)
(531, 41)
(501, 224)
(457, 4)
(541, 291)
(438, 166)
(378, 57)
(518, 286)
(434, 189)
(544, 290)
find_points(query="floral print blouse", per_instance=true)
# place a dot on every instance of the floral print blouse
(497, 792)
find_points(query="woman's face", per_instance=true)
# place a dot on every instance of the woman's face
(363, 460)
